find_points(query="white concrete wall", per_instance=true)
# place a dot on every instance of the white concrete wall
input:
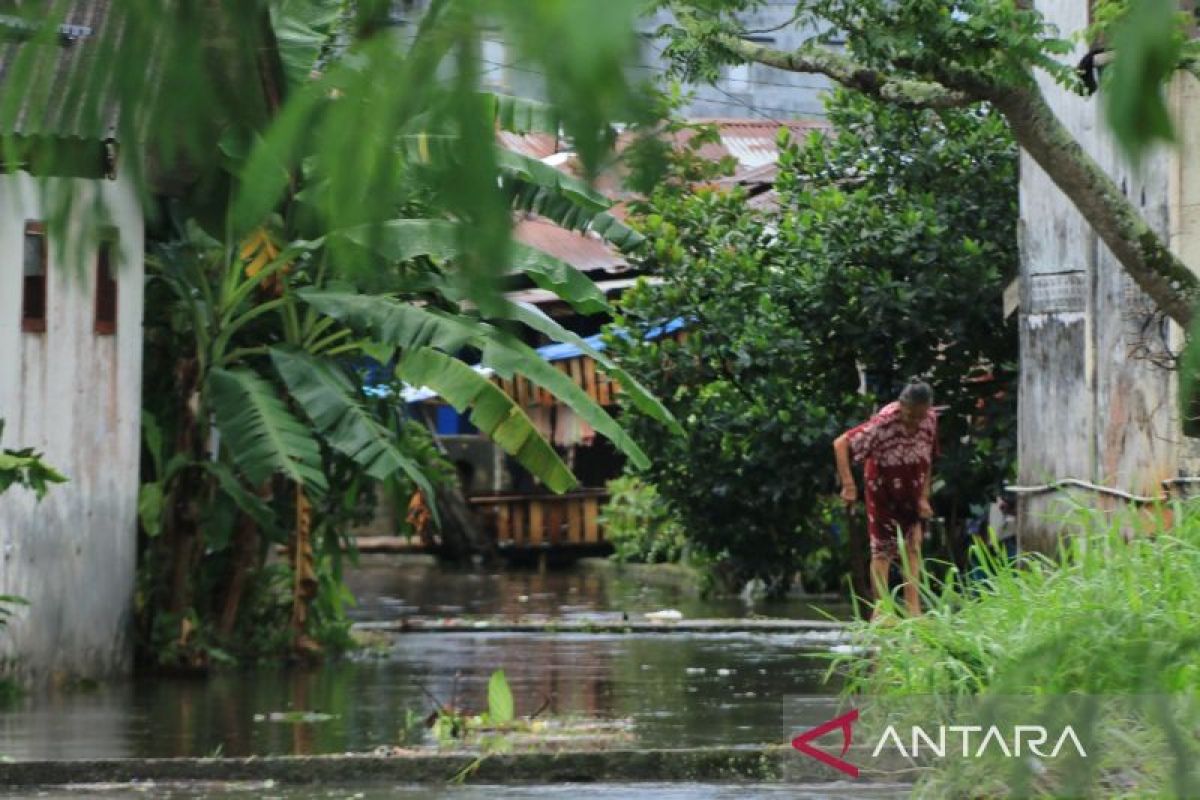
(1094, 404)
(76, 395)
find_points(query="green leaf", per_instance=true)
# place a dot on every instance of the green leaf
(150, 508)
(329, 399)
(500, 699)
(638, 394)
(508, 355)
(250, 504)
(1147, 44)
(520, 114)
(404, 239)
(492, 411)
(260, 433)
(393, 322)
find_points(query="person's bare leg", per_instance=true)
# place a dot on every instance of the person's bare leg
(912, 570)
(879, 581)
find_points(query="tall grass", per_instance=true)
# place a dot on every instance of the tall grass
(1113, 615)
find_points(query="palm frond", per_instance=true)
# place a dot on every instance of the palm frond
(259, 432)
(492, 411)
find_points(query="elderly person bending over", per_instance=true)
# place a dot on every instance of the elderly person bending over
(898, 446)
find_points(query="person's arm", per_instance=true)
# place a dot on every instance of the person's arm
(924, 509)
(841, 454)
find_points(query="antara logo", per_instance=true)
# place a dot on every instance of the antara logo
(1023, 738)
(844, 723)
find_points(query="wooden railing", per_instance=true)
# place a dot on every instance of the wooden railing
(567, 520)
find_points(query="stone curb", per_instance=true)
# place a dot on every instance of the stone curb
(605, 626)
(693, 764)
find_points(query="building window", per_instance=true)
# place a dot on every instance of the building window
(33, 294)
(106, 286)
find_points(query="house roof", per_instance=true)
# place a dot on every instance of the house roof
(59, 73)
(584, 251)
(753, 144)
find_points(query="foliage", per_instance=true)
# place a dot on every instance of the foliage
(330, 219)
(941, 55)
(1049, 629)
(1152, 39)
(25, 467)
(889, 250)
(639, 523)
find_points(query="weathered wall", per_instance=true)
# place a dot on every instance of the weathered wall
(76, 395)
(1096, 401)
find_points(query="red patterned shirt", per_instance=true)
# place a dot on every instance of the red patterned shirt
(897, 466)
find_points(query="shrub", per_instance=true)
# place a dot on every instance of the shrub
(640, 524)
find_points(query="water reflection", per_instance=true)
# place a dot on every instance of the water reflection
(388, 587)
(678, 689)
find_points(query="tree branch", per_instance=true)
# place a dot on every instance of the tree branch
(1037, 129)
(1114, 218)
(813, 58)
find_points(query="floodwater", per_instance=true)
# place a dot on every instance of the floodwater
(389, 588)
(675, 690)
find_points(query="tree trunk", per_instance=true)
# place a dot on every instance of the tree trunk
(245, 560)
(1113, 217)
(304, 575)
(460, 533)
(182, 525)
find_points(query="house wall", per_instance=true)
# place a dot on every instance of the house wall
(1096, 399)
(76, 395)
(747, 90)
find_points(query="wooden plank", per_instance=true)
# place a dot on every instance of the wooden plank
(520, 527)
(537, 526)
(591, 522)
(555, 513)
(576, 371)
(503, 523)
(604, 389)
(589, 378)
(574, 521)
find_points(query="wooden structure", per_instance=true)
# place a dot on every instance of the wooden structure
(544, 521)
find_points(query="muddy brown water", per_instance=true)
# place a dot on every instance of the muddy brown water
(677, 690)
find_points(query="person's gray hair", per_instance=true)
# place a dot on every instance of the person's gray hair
(916, 393)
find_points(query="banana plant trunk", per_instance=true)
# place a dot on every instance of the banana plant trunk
(461, 534)
(304, 574)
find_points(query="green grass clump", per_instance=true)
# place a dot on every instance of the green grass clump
(1115, 616)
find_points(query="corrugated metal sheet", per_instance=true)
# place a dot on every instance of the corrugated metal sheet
(585, 252)
(63, 97)
(533, 145)
(754, 142)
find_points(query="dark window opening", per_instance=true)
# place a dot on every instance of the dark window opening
(33, 294)
(106, 289)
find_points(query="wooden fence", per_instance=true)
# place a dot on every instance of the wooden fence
(542, 521)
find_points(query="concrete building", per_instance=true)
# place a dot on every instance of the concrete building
(1098, 399)
(747, 90)
(70, 379)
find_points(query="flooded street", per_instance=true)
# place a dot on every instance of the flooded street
(643, 791)
(676, 689)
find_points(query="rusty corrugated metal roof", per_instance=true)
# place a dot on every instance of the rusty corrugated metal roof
(585, 252)
(754, 143)
(62, 97)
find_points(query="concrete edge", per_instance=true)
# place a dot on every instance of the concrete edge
(769, 763)
(604, 626)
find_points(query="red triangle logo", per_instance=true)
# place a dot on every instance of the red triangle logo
(845, 723)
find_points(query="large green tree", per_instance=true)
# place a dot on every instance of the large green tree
(941, 55)
(886, 257)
